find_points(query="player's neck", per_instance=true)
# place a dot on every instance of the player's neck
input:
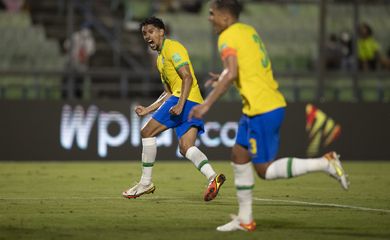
(232, 21)
(161, 45)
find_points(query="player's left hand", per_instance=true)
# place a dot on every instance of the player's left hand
(176, 110)
(198, 111)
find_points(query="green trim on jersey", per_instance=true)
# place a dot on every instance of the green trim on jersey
(181, 65)
(162, 46)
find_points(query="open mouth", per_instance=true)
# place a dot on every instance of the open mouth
(152, 45)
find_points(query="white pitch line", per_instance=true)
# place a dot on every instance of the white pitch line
(183, 199)
(323, 204)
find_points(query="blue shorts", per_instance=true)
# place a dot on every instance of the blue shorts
(180, 123)
(260, 135)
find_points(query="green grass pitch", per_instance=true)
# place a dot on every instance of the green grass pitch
(82, 200)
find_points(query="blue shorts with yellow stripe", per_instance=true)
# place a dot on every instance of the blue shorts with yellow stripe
(180, 123)
(260, 134)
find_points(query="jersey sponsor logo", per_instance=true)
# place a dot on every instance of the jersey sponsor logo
(176, 57)
(322, 129)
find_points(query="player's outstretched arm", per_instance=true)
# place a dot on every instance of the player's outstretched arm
(142, 111)
(227, 77)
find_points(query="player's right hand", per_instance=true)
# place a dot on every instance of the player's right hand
(140, 111)
(198, 111)
(213, 80)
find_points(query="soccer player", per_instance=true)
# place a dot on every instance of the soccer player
(171, 111)
(246, 64)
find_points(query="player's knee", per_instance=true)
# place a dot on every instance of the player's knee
(235, 157)
(261, 170)
(261, 175)
(145, 133)
(183, 148)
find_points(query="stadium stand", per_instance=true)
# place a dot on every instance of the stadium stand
(290, 32)
(25, 47)
(34, 41)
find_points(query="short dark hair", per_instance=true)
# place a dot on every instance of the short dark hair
(368, 28)
(157, 22)
(233, 6)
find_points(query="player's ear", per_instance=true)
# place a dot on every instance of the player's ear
(162, 32)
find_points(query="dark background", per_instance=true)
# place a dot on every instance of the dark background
(30, 130)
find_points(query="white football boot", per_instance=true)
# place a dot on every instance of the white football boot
(336, 170)
(138, 190)
(235, 225)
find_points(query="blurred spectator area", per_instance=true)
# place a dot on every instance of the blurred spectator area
(290, 32)
(123, 68)
(25, 46)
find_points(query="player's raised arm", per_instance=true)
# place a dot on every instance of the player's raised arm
(227, 77)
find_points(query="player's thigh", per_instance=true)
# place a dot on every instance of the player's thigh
(188, 139)
(188, 129)
(264, 135)
(164, 117)
(152, 128)
(264, 139)
(263, 148)
(240, 154)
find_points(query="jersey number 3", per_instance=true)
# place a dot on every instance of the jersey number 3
(265, 60)
(253, 147)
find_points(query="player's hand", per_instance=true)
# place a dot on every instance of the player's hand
(198, 111)
(212, 81)
(140, 111)
(176, 110)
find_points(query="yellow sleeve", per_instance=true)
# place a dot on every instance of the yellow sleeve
(178, 55)
(227, 45)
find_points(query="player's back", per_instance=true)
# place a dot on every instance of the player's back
(256, 83)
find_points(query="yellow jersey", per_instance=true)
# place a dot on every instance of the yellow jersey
(367, 48)
(170, 59)
(255, 83)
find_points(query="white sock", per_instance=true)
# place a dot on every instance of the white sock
(149, 151)
(291, 167)
(244, 182)
(199, 159)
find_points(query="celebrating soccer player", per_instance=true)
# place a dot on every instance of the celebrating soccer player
(173, 106)
(246, 64)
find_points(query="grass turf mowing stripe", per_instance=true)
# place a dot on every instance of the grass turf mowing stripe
(230, 198)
